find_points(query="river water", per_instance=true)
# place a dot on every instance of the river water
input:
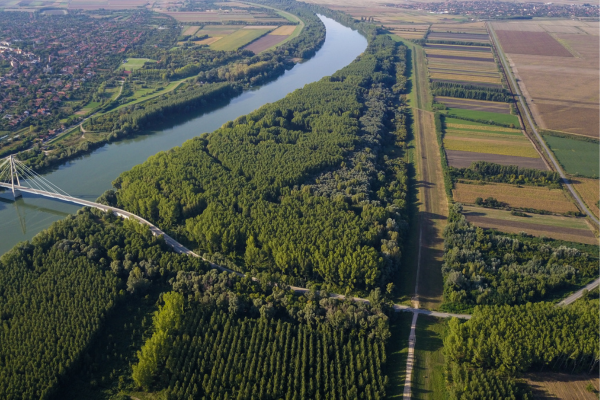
(89, 176)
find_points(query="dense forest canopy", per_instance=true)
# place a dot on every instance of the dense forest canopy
(500, 343)
(230, 337)
(483, 267)
(57, 291)
(305, 187)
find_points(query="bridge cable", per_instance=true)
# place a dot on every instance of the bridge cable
(40, 180)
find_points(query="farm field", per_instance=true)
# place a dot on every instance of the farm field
(469, 141)
(552, 385)
(540, 198)
(531, 43)
(556, 227)
(190, 30)
(265, 43)
(391, 16)
(134, 63)
(462, 64)
(566, 53)
(481, 144)
(576, 156)
(589, 190)
(238, 39)
(208, 41)
(461, 37)
(276, 37)
(223, 17)
(499, 118)
(409, 31)
(464, 159)
(284, 30)
(475, 105)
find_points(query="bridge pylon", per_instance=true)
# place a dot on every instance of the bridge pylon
(14, 176)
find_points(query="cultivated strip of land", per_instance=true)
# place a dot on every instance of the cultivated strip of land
(549, 154)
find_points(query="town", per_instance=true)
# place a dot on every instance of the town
(502, 9)
(52, 70)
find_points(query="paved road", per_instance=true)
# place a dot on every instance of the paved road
(179, 248)
(575, 296)
(535, 131)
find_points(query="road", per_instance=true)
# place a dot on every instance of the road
(577, 295)
(539, 138)
(410, 359)
(181, 249)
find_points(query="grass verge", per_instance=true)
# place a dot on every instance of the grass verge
(429, 381)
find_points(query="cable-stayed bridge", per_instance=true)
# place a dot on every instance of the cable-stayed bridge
(18, 178)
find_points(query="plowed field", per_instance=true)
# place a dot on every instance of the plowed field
(589, 190)
(463, 159)
(540, 198)
(531, 43)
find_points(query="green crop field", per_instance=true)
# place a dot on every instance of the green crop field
(485, 116)
(134, 63)
(576, 156)
(238, 39)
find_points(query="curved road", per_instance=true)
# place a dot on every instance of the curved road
(571, 299)
(179, 248)
(537, 135)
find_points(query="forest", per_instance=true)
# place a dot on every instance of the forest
(57, 291)
(227, 337)
(61, 290)
(470, 92)
(491, 172)
(488, 268)
(498, 344)
(312, 187)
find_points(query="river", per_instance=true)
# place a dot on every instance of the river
(89, 176)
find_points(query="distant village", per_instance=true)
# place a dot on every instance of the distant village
(505, 9)
(55, 61)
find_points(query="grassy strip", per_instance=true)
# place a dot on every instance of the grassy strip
(429, 380)
(439, 130)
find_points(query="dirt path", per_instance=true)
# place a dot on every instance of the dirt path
(433, 204)
(433, 212)
(410, 361)
(433, 208)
